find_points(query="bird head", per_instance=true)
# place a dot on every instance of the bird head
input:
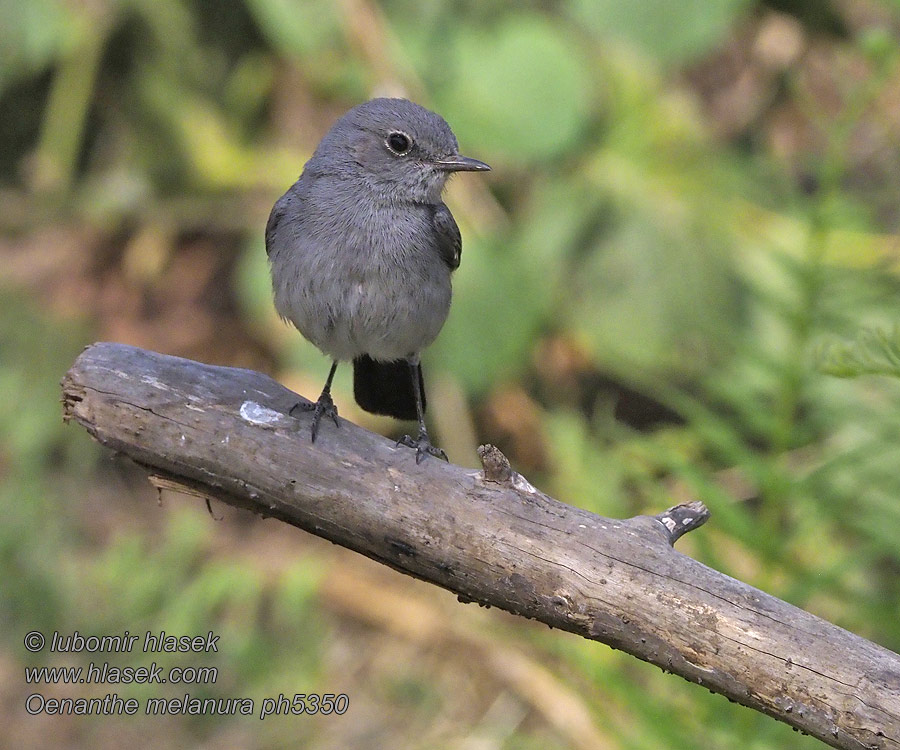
(396, 148)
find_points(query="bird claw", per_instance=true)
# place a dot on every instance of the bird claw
(423, 447)
(324, 407)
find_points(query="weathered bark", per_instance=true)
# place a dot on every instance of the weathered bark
(490, 537)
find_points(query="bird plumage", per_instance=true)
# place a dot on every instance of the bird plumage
(362, 248)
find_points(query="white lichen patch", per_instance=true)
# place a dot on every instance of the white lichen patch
(150, 380)
(260, 415)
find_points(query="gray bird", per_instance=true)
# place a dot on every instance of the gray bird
(361, 250)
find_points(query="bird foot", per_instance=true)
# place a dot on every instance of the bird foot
(423, 447)
(324, 407)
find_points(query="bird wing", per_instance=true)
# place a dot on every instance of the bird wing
(447, 233)
(278, 211)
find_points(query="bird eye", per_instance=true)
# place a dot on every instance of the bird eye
(399, 143)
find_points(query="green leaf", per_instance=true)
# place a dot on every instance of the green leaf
(297, 27)
(32, 34)
(518, 89)
(652, 295)
(668, 31)
(499, 300)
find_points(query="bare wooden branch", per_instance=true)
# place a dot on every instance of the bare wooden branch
(490, 537)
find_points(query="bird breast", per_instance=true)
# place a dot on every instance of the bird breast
(377, 286)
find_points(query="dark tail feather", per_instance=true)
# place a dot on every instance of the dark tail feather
(386, 387)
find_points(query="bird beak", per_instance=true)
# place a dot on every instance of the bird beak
(461, 164)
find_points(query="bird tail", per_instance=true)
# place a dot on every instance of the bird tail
(386, 387)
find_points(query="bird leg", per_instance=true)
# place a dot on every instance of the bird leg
(422, 444)
(323, 407)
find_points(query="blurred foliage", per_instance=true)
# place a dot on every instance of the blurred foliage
(874, 352)
(690, 229)
(668, 32)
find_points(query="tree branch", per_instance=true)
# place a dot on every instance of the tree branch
(490, 537)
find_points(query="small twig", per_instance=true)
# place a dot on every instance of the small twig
(680, 519)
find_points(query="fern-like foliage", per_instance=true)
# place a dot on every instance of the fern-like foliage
(873, 352)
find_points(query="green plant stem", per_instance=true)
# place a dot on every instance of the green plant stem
(68, 104)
